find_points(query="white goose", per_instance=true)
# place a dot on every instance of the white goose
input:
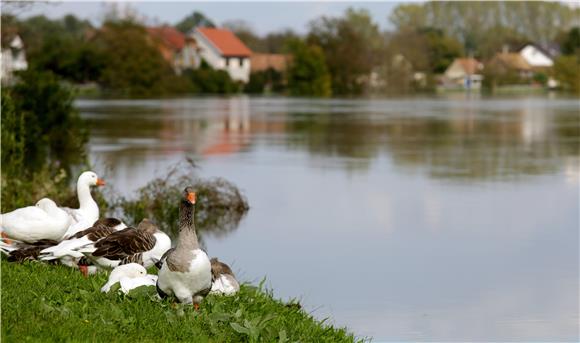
(88, 211)
(129, 276)
(33, 223)
(185, 270)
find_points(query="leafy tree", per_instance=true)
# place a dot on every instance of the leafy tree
(269, 80)
(352, 46)
(308, 74)
(196, 19)
(567, 72)
(133, 66)
(571, 43)
(207, 80)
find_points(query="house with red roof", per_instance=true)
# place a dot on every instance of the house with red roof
(222, 50)
(175, 47)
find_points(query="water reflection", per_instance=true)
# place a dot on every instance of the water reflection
(478, 139)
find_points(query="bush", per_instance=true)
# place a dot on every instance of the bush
(567, 72)
(220, 205)
(265, 81)
(207, 80)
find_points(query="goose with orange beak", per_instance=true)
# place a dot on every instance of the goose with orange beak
(185, 270)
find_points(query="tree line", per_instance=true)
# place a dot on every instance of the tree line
(344, 55)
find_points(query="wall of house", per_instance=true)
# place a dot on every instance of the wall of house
(535, 57)
(213, 57)
(454, 71)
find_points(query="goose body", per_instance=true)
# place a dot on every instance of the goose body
(20, 251)
(129, 276)
(72, 249)
(185, 270)
(144, 245)
(88, 211)
(34, 223)
(223, 280)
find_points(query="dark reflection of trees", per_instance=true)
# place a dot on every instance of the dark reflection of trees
(459, 146)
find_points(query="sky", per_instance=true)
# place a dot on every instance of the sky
(263, 17)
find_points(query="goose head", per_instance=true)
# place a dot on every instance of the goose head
(90, 178)
(189, 195)
(131, 270)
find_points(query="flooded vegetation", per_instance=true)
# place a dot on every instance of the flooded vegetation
(462, 210)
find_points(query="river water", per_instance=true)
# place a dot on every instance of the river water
(437, 218)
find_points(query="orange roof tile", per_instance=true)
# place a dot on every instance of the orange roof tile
(225, 41)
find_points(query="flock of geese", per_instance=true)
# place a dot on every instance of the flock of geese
(79, 239)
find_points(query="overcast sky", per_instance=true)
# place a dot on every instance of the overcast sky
(264, 17)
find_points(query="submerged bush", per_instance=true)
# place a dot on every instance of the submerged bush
(219, 209)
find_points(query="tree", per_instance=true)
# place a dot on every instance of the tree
(308, 74)
(567, 72)
(243, 30)
(196, 19)
(571, 43)
(352, 46)
(133, 66)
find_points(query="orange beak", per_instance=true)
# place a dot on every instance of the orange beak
(191, 197)
(100, 182)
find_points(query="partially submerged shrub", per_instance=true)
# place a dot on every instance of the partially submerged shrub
(219, 209)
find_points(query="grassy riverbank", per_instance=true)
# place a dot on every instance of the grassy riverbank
(55, 303)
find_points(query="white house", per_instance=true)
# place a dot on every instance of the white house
(536, 56)
(465, 73)
(221, 49)
(13, 57)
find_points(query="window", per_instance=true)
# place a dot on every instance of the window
(241, 61)
(227, 61)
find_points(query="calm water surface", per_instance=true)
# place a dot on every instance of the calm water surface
(415, 219)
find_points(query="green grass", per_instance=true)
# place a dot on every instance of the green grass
(44, 303)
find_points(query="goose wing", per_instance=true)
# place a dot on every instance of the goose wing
(123, 244)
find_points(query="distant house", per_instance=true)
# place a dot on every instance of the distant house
(262, 62)
(13, 56)
(505, 62)
(536, 56)
(177, 49)
(221, 49)
(464, 72)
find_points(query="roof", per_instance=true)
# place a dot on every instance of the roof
(261, 62)
(551, 49)
(513, 60)
(168, 36)
(469, 65)
(225, 41)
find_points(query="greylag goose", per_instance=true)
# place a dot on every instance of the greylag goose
(71, 250)
(144, 245)
(185, 270)
(223, 280)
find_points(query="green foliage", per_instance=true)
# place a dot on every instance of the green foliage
(475, 22)
(13, 136)
(269, 80)
(207, 80)
(571, 43)
(196, 19)
(351, 46)
(567, 72)
(133, 65)
(74, 309)
(308, 74)
(53, 129)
